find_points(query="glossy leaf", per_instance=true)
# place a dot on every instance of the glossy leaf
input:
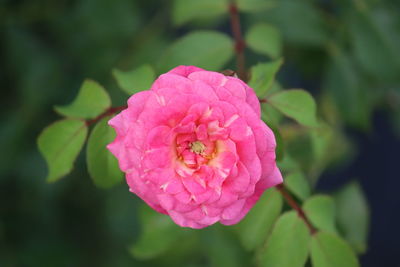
(265, 39)
(186, 10)
(280, 145)
(328, 250)
(135, 80)
(60, 144)
(92, 100)
(253, 230)
(102, 165)
(268, 113)
(288, 244)
(288, 164)
(263, 76)
(298, 185)
(353, 215)
(296, 104)
(320, 210)
(205, 49)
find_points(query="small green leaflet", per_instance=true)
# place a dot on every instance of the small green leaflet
(298, 185)
(263, 76)
(92, 100)
(320, 210)
(353, 215)
(136, 80)
(255, 227)
(102, 165)
(265, 39)
(296, 104)
(288, 164)
(288, 244)
(60, 144)
(210, 50)
(329, 250)
(280, 145)
(270, 115)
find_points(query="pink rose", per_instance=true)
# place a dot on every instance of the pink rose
(194, 147)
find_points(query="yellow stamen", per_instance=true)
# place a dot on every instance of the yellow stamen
(197, 147)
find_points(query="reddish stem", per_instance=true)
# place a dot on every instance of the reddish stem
(106, 113)
(293, 204)
(240, 45)
(239, 41)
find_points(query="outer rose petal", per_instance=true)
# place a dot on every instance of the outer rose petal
(194, 147)
(184, 70)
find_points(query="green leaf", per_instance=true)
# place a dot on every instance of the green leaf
(255, 5)
(60, 144)
(263, 76)
(102, 165)
(288, 243)
(298, 185)
(296, 104)
(353, 215)
(265, 39)
(159, 233)
(253, 230)
(280, 145)
(135, 80)
(328, 250)
(320, 210)
(205, 49)
(288, 164)
(269, 114)
(92, 100)
(186, 10)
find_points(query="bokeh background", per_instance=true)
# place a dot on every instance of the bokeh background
(346, 53)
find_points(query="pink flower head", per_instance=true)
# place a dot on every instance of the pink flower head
(194, 147)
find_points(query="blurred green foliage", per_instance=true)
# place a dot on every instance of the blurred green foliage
(348, 49)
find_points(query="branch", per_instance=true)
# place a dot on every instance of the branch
(240, 45)
(239, 41)
(293, 204)
(106, 113)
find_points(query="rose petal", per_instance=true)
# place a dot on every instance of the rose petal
(184, 70)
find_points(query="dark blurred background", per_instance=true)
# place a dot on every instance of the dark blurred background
(345, 52)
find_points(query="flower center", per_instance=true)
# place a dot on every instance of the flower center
(197, 147)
